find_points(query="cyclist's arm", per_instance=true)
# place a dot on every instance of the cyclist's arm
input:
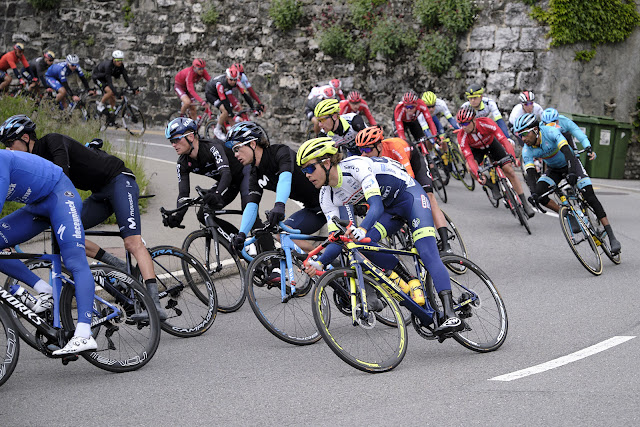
(367, 113)
(250, 212)
(191, 86)
(253, 94)
(530, 172)
(248, 99)
(468, 156)
(126, 78)
(397, 118)
(572, 162)
(184, 186)
(222, 96)
(58, 151)
(439, 127)
(577, 133)
(83, 79)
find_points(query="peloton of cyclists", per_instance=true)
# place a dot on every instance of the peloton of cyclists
(184, 87)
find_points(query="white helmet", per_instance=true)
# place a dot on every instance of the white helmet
(73, 59)
(117, 54)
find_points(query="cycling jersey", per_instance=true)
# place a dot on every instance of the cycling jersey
(489, 108)
(363, 108)
(56, 77)
(186, 80)
(486, 130)
(345, 133)
(38, 68)
(441, 108)
(319, 91)
(399, 150)
(402, 115)
(551, 143)
(218, 91)
(244, 80)
(518, 110)
(106, 71)
(568, 127)
(10, 61)
(310, 106)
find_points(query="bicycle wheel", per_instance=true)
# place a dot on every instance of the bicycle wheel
(9, 345)
(123, 344)
(459, 165)
(602, 239)
(42, 269)
(226, 270)
(455, 242)
(444, 172)
(186, 292)
(438, 185)
(368, 345)
(581, 242)
(209, 128)
(133, 120)
(478, 304)
(515, 205)
(290, 320)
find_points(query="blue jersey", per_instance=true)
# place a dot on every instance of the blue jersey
(552, 141)
(567, 125)
(25, 177)
(60, 71)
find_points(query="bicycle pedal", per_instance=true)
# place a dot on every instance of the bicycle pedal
(69, 358)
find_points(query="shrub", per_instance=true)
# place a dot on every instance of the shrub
(457, 15)
(285, 13)
(358, 51)
(210, 15)
(389, 37)
(427, 12)
(334, 41)
(437, 52)
(584, 55)
(128, 12)
(365, 13)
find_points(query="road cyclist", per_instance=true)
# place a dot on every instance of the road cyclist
(57, 75)
(355, 103)
(184, 87)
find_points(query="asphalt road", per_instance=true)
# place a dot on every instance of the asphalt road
(239, 374)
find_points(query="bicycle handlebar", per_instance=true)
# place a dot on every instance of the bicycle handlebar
(508, 159)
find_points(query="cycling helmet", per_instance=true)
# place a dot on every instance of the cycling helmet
(49, 55)
(314, 148)
(199, 62)
(326, 107)
(354, 96)
(527, 96)
(336, 84)
(409, 98)
(474, 90)
(465, 114)
(18, 46)
(16, 126)
(73, 60)
(369, 136)
(233, 73)
(549, 115)
(239, 67)
(524, 122)
(178, 127)
(117, 54)
(429, 98)
(245, 132)
(328, 92)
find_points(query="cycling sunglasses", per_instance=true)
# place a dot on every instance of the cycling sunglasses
(524, 133)
(309, 169)
(464, 124)
(237, 147)
(528, 103)
(177, 139)
(198, 68)
(431, 106)
(409, 107)
(366, 149)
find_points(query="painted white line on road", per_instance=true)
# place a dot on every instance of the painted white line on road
(561, 361)
(149, 158)
(155, 144)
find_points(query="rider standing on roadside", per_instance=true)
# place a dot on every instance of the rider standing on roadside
(184, 87)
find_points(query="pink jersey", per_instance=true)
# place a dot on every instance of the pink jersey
(187, 78)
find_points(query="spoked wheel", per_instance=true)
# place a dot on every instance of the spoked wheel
(209, 128)
(288, 317)
(444, 173)
(226, 269)
(581, 241)
(602, 239)
(456, 243)
(369, 345)
(133, 120)
(438, 185)
(478, 304)
(515, 205)
(186, 292)
(459, 170)
(9, 345)
(124, 344)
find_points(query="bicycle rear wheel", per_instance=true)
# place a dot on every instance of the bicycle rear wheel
(226, 270)
(368, 345)
(580, 241)
(290, 320)
(456, 243)
(186, 292)
(9, 345)
(123, 344)
(460, 171)
(515, 205)
(438, 185)
(133, 120)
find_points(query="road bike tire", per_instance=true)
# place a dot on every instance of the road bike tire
(515, 205)
(228, 276)
(123, 344)
(478, 304)
(438, 185)
(42, 269)
(602, 239)
(459, 165)
(186, 291)
(133, 120)
(369, 345)
(455, 242)
(9, 345)
(291, 321)
(209, 128)
(588, 253)
(444, 173)
(495, 203)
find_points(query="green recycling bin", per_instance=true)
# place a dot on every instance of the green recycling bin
(620, 145)
(587, 124)
(602, 142)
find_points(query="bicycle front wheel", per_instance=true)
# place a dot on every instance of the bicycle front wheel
(226, 269)
(9, 345)
(459, 165)
(124, 344)
(366, 345)
(580, 241)
(515, 205)
(133, 120)
(438, 185)
(186, 292)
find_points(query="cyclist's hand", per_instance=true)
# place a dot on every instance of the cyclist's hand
(75, 98)
(22, 82)
(356, 233)
(260, 108)
(534, 199)
(237, 240)
(91, 92)
(95, 143)
(482, 179)
(591, 153)
(174, 220)
(572, 179)
(276, 214)
(213, 200)
(312, 266)
(204, 104)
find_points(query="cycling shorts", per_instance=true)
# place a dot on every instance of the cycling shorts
(3, 75)
(53, 83)
(181, 90)
(554, 176)
(101, 83)
(495, 152)
(307, 220)
(421, 170)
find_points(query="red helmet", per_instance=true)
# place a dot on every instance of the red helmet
(337, 84)
(199, 62)
(409, 98)
(329, 92)
(465, 114)
(354, 96)
(233, 73)
(239, 67)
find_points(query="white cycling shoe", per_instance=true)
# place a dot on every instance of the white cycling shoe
(77, 345)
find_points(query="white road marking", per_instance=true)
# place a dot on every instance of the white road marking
(564, 360)
(149, 158)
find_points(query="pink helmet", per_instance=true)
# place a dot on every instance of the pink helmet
(199, 62)
(233, 73)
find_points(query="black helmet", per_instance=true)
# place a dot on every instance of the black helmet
(245, 132)
(16, 126)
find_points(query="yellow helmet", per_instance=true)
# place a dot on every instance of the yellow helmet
(314, 148)
(429, 98)
(326, 107)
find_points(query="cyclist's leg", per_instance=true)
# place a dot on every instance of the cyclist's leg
(308, 221)
(552, 177)
(6, 80)
(586, 188)
(497, 152)
(185, 99)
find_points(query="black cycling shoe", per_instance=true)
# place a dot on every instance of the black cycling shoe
(374, 304)
(452, 324)
(528, 209)
(495, 190)
(616, 247)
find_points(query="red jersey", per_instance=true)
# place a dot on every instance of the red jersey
(401, 114)
(486, 130)
(187, 78)
(10, 59)
(345, 108)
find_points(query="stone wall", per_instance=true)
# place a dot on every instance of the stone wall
(506, 51)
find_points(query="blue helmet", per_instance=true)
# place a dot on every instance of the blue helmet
(178, 127)
(245, 132)
(525, 121)
(549, 115)
(16, 126)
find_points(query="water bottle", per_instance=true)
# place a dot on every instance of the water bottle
(25, 297)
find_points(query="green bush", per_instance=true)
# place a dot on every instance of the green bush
(210, 15)
(285, 13)
(358, 51)
(585, 55)
(457, 15)
(389, 37)
(128, 12)
(427, 12)
(365, 13)
(437, 52)
(44, 4)
(334, 41)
